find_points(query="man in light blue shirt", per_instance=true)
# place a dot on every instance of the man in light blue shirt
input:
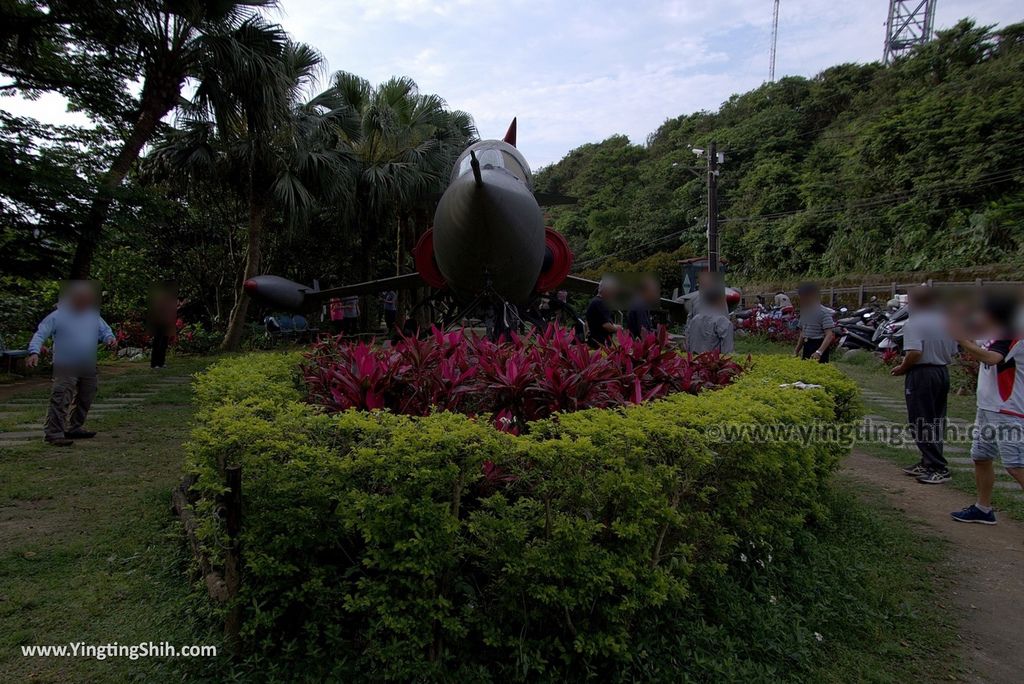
(76, 328)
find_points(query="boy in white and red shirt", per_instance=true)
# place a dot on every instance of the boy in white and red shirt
(999, 426)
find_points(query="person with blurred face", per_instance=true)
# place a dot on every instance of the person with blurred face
(999, 425)
(163, 318)
(709, 284)
(817, 325)
(76, 328)
(600, 325)
(638, 319)
(928, 350)
(710, 329)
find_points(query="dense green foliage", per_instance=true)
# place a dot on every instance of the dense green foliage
(247, 161)
(382, 546)
(862, 168)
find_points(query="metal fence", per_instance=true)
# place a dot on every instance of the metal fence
(858, 295)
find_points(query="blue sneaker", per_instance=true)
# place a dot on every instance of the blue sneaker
(973, 514)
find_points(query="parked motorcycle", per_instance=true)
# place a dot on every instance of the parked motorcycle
(889, 334)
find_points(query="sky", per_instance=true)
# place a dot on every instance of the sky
(578, 71)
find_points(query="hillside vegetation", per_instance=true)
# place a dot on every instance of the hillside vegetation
(861, 169)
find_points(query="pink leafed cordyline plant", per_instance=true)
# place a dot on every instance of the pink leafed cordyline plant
(517, 379)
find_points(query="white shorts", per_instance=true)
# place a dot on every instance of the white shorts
(997, 433)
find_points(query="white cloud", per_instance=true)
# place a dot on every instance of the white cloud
(576, 72)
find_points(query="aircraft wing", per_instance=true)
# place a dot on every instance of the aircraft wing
(287, 295)
(402, 282)
(588, 286)
(578, 284)
(551, 199)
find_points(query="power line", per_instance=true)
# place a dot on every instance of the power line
(891, 198)
(876, 203)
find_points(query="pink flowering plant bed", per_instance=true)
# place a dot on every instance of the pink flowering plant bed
(516, 380)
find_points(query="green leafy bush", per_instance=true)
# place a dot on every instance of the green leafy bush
(379, 546)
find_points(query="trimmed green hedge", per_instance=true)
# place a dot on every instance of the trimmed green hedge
(379, 546)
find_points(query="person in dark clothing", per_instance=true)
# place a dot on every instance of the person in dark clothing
(163, 317)
(927, 352)
(599, 315)
(390, 301)
(638, 319)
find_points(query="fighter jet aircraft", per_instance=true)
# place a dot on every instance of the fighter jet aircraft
(488, 245)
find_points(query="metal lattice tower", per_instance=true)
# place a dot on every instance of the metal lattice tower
(911, 23)
(775, 42)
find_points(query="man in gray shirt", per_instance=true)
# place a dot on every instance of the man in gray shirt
(927, 352)
(817, 325)
(708, 329)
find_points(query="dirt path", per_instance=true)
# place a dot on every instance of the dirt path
(987, 568)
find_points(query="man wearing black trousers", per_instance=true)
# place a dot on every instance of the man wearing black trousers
(817, 325)
(927, 352)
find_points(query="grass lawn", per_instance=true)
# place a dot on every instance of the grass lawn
(88, 549)
(89, 553)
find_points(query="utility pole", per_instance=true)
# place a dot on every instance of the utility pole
(713, 207)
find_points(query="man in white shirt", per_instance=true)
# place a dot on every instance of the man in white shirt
(999, 425)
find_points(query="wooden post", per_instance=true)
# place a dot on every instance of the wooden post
(860, 295)
(832, 297)
(232, 557)
(893, 289)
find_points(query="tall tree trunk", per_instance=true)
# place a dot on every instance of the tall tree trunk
(258, 208)
(157, 100)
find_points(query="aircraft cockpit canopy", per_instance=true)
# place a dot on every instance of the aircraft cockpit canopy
(493, 155)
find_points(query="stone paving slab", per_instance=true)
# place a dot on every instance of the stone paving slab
(17, 434)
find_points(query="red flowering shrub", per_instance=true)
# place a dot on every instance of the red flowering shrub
(132, 333)
(516, 380)
(770, 328)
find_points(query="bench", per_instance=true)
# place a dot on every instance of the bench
(285, 326)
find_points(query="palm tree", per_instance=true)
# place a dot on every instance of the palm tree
(402, 145)
(176, 41)
(271, 147)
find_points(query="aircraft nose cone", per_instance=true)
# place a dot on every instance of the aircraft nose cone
(490, 234)
(250, 286)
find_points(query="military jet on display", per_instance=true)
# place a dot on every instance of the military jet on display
(488, 245)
